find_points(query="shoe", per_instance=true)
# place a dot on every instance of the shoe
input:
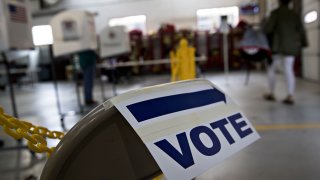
(269, 97)
(31, 177)
(91, 102)
(288, 101)
(1, 143)
(2, 87)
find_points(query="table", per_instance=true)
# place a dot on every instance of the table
(109, 65)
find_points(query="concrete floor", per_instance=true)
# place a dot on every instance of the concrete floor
(289, 147)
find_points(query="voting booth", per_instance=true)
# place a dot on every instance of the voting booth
(73, 31)
(15, 25)
(182, 128)
(114, 41)
(15, 34)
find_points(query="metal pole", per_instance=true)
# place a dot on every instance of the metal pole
(55, 84)
(101, 82)
(11, 89)
(54, 78)
(76, 79)
(226, 56)
(113, 74)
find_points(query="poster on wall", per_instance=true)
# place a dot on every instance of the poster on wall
(18, 13)
(70, 30)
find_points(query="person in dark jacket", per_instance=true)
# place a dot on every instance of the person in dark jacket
(87, 61)
(287, 36)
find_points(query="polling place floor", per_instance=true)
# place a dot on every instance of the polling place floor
(289, 147)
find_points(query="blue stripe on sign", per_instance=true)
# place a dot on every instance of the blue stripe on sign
(152, 108)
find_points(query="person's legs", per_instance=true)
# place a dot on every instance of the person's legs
(272, 76)
(88, 78)
(289, 73)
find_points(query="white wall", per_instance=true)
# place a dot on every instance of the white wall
(182, 13)
(311, 55)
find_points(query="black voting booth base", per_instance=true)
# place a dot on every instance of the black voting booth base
(101, 146)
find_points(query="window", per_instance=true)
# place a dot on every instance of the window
(209, 19)
(42, 35)
(130, 22)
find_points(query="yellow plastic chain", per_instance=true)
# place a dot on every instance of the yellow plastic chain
(34, 134)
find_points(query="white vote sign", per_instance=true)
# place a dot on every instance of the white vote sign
(188, 126)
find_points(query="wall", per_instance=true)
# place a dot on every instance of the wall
(311, 55)
(180, 12)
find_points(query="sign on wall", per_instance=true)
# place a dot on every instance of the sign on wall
(188, 127)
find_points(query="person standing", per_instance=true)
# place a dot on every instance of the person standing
(286, 36)
(87, 61)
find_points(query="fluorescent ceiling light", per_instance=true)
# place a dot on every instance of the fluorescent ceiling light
(127, 20)
(42, 35)
(311, 17)
(218, 11)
